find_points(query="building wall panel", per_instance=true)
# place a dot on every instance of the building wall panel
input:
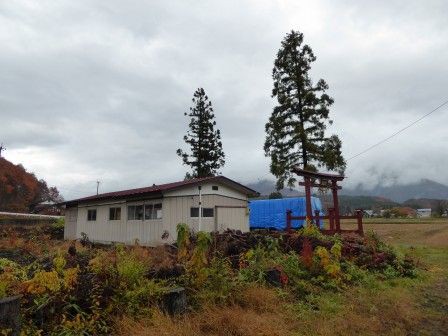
(207, 189)
(232, 218)
(71, 216)
(175, 210)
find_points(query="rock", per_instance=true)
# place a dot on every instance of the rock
(72, 249)
(10, 314)
(274, 277)
(174, 302)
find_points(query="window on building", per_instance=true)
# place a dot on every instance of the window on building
(148, 211)
(91, 215)
(206, 212)
(194, 212)
(158, 210)
(215, 188)
(114, 213)
(153, 211)
(135, 212)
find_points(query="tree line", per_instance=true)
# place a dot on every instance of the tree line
(21, 191)
(295, 131)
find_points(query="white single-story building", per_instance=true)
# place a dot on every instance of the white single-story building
(150, 215)
(424, 212)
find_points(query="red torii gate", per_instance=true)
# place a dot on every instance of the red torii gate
(329, 181)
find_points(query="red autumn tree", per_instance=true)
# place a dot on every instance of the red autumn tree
(21, 191)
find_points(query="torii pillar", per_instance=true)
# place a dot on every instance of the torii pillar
(309, 210)
(334, 191)
(320, 180)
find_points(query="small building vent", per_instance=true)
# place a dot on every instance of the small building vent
(215, 188)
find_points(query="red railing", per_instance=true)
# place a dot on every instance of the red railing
(334, 220)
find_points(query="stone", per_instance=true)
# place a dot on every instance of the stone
(174, 302)
(10, 314)
(274, 277)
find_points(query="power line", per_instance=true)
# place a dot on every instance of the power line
(398, 132)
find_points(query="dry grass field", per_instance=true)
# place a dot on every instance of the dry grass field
(430, 232)
(427, 233)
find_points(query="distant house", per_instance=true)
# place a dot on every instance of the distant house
(367, 213)
(150, 215)
(424, 212)
(48, 208)
(399, 212)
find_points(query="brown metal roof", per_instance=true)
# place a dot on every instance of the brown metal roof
(157, 190)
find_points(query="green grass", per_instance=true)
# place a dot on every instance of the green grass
(400, 306)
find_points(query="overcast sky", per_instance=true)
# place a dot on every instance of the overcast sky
(97, 89)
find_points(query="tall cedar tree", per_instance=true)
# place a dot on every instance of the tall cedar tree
(295, 131)
(206, 155)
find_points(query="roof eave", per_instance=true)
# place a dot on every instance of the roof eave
(159, 192)
(248, 191)
(127, 198)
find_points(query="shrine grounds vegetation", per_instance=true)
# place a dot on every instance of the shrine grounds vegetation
(236, 284)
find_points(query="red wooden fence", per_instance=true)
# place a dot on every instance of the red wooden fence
(334, 219)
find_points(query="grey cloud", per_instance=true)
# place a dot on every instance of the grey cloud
(97, 90)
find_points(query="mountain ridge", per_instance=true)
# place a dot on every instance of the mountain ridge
(398, 193)
(424, 188)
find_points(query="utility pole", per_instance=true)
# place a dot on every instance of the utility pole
(200, 209)
(97, 186)
(2, 149)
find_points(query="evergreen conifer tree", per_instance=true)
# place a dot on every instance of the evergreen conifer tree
(295, 132)
(205, 156)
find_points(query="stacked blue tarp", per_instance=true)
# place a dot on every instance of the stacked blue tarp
(271, 213)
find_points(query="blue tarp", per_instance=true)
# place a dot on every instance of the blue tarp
(271, 213)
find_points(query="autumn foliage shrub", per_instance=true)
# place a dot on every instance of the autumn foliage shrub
(11, 277)
(81, 290)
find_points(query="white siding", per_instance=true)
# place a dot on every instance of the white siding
(71, 215)
(177, 210)
(148, 232)
(100, 230)
(232, 218)
(207, 189)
